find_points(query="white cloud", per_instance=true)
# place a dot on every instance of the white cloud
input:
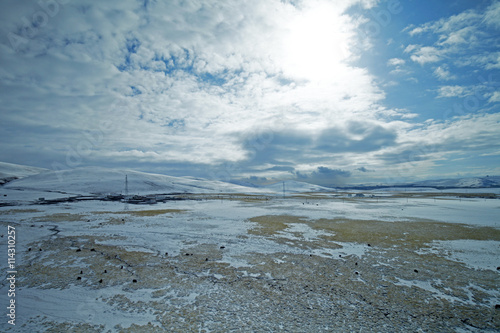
(395, 62)
(492, 15)
(426, 54)
(411, 47)
(193, 85)
(459, 37)
(417, 30)
(453, 91)
(191, 76)
(442, 72)
(495, 97)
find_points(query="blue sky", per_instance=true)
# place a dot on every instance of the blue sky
(329, 92)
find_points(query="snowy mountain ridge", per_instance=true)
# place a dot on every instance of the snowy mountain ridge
(98, 180)
(92, 180)
(9, 171)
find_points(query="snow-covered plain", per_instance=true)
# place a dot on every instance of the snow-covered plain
(248, 260)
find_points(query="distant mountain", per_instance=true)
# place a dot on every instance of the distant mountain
(96, 180)
(473, 182)
(470, 182)
(93, 180)
(10, 172)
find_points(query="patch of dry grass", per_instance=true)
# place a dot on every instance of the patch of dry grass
(60, 217)
(16, 211)
(412, 234)
(269, 225)
(408, 233)
(150, 212)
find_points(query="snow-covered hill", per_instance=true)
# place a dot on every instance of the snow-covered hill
(474, 182)
(293, 186)
(92, 180)
(9, 171)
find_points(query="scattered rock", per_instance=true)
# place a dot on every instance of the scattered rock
(222, 247)
(78, 250)
(79, 278)
(497, 306)
(121, 267)
(134, 281)
(166, 253)
(81, 272)
(369, 244)
(29, 248)
(415, 270)
(40, 249)
(105, 271)
(92, 250)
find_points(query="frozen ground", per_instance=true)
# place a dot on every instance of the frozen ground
(307, 263)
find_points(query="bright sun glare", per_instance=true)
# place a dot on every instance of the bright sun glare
(314, 47)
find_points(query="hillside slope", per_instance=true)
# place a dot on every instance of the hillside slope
(9, 171)
(92, 180)
(293, 186)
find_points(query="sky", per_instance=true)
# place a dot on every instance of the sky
(328, 92)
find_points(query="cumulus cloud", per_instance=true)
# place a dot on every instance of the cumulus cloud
(217, 89)
(325, 176)
(426, 54)
(395, 62)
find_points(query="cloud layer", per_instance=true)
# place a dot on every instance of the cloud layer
(266, 89)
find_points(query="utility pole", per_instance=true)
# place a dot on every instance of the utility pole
(126, 185)
(126, 193)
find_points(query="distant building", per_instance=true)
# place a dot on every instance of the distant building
(359, 195)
